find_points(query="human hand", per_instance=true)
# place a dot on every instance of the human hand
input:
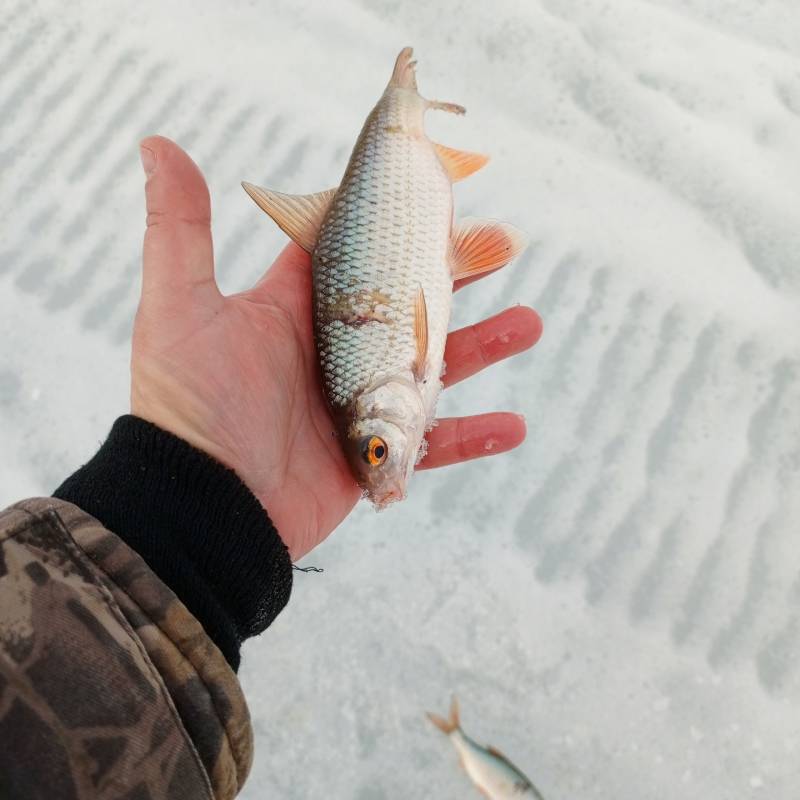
(237, 376)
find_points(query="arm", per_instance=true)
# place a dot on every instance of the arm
(109, 687)
(194, 522)
(139, 582)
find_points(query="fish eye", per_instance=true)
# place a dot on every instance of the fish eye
(374, 450)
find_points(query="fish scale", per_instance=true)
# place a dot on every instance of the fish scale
(389, 230)
(385, 252)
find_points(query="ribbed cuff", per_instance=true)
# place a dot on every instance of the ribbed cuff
(194, 522)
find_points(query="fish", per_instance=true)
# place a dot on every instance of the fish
(492, 772)
(385, 251)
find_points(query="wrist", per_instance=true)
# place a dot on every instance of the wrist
(194, 522)
(165, 402)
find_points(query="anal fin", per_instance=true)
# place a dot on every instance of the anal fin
(496, 753)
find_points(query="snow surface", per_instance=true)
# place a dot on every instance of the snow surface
(617, 604)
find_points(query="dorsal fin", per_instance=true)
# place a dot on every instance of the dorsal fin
(459, 164)
(481, 245)
(299, 216)
(497, 754)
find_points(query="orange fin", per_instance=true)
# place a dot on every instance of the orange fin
(455, 717)
(481, 245)
(299, 216)
(459, 164)
(495, 752)
(447, 725)
(442, 724)
(420, 334)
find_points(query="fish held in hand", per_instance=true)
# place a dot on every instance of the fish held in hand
(493, 773)
(385, 252)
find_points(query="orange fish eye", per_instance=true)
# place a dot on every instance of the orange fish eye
(374, 450)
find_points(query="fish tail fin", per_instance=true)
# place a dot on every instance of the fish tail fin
(455, 717)
(442, 724)
(404, 76)
(447, 725)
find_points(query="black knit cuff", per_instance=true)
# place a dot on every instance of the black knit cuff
(199, 528)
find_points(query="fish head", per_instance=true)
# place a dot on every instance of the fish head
(383, 439)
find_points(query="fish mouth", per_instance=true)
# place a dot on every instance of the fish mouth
(387, 497)
(386, 489)
(390, 408)
(394, 490)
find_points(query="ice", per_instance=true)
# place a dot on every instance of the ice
(617, 603)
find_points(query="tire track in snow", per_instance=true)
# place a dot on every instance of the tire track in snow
(564, 276)
(48, 106)
(761, 439)
(567, 554)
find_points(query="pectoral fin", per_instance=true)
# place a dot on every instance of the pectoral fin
(459, 164)
(299, 216)
(421, 334)
(481, 245)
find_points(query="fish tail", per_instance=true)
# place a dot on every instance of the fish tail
(404, 76)
(447, 725)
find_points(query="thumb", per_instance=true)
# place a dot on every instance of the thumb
(178, 254)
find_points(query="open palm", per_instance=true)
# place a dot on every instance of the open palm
(237, 376)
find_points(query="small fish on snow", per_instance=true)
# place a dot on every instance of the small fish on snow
(494, 775)
(385, 250)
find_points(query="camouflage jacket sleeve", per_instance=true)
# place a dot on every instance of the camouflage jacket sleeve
(194, 522)
(109, 687)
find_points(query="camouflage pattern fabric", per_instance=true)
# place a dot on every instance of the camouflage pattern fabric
(109, 687)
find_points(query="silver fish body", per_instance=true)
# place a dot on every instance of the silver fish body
(385, 253)
(384, 240)
(384, 237)
(489, 769)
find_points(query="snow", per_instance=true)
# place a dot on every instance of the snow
(617, 603)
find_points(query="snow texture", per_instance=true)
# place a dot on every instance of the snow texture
(617, 603)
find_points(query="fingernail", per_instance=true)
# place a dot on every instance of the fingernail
(148, 160)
